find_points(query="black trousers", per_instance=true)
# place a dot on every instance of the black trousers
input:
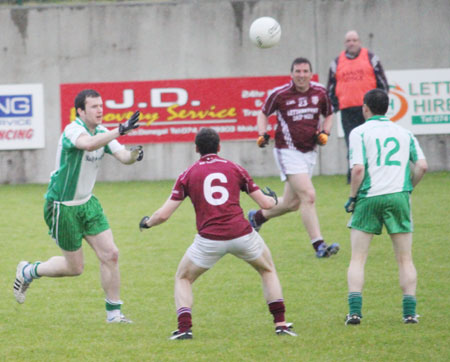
(351, 117)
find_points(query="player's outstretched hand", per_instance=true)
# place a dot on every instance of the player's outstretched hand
(321, 138)
(130, 124)
(263, 140)
(137, 152)
(268, 192)
(143, 223)
(350, 205)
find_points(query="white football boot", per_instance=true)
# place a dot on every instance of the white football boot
(21, 284)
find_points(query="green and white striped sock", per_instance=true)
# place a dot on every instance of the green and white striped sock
(355, 303)
(409, 305)
(30, 271)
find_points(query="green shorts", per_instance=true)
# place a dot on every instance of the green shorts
(69, 224)
(392, 210)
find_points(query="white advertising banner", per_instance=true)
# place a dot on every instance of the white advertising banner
(21, 116)
(419, 100)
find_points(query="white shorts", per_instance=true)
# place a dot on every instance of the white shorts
(206, 252)
(293, 162)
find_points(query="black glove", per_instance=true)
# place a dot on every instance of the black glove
(139, 150)
(143, 223)
(130, 124)
(350, 205)
(263, 140)
(268, 192)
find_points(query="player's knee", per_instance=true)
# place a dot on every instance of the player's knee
(77, 269)
(112, 257)
(405, 261)
(309, 196)
(185, 275)
(293, 205)
(183, 279)
(357, 265)
(179, 276)
(115, 255)
(182, 275)
(266, 268)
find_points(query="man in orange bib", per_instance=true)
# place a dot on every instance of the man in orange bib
(352, 74)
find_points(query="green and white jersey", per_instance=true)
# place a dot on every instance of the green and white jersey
(385, 149)
(74, 178)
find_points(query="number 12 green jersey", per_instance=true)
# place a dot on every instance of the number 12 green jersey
(385, 149)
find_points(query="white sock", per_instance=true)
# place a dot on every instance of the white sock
(27, 273)
(110, 314)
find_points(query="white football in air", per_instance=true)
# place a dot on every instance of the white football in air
(265, 32)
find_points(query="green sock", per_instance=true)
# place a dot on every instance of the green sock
(409, 305)
(355, 303)
(113, 305)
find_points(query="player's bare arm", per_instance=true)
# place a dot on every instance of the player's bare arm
(327, 124)
(130, 156)
(357, 178)
(262, 121)
(324, 131)
(263, 137)
(417, 172)
(91, 143)
(161, 215)
(263, 201)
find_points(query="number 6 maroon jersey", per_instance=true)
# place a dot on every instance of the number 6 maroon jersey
(214, 184)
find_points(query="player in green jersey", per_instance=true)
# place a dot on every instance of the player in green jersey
(381, 182)
(72, 212)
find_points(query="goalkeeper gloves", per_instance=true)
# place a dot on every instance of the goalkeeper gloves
(350, 205)
(268, 192)
(130, 124)
(138, 152)
(263, 140)
(143, 223)
(321, 138)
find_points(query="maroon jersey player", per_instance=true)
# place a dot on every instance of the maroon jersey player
(304, 116)
(298, 115)
(214, 184)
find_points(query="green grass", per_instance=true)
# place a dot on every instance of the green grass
(63, 319)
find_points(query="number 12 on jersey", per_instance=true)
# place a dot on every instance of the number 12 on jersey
(392, 145)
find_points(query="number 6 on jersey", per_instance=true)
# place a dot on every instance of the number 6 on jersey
(209, 190)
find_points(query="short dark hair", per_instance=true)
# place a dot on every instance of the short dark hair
(80, 99)
(377, 100)
(300, 61)
(207, 141)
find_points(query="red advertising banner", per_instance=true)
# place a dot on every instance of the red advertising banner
(174, 110)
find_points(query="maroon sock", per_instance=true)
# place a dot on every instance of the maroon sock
(259, 217)
(277, 309)
(184, 319)
(317, 244)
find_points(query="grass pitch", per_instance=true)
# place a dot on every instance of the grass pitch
(64, 319)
